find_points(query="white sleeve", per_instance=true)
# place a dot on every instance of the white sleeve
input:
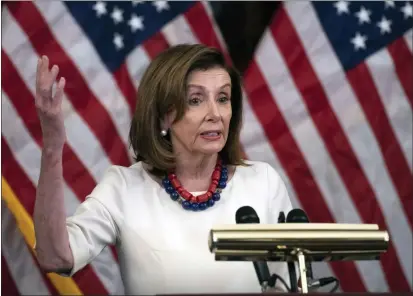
(279, 201)
(94, 224)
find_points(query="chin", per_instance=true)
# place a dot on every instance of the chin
(212, 148)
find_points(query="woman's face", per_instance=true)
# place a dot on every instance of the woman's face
(204, 127)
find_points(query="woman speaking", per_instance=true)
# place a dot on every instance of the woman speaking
(189, 176)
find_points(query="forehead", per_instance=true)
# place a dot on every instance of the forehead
(214, 77)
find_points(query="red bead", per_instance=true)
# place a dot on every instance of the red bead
(171, 176)
(186, 195)
(175, 183)
(214, 182)
(194, 199)
(203, 197)
(216, 175)
(212, 187)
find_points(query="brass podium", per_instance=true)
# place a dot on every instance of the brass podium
(298, 242)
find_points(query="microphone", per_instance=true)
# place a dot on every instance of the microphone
(291, 265)
(281, 217)
(299, 216)
(247, 215)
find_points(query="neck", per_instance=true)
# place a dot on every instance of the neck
(194, 172)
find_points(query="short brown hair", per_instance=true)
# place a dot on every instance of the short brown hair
(163, 88)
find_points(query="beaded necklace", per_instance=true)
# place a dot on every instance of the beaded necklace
(201, 202)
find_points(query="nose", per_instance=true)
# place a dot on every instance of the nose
(213, 111)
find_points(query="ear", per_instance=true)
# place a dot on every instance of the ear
(167, 121)
(164, 124)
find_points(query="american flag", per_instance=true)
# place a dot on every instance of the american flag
(328, 103)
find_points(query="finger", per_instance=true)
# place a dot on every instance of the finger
(39, 66)
(45, 62)
(54, 72)
(43, 71)
(59, 91)
(39, 73)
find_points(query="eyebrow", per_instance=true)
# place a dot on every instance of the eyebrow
(200, 86)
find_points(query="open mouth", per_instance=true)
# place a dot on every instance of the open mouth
(211, 134)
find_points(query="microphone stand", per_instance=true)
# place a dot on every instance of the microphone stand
(303, 271)
(291, 265)
(269, 281)
(293, 277)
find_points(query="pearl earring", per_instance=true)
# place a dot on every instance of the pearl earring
(163, 133)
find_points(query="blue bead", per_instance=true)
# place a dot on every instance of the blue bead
(170, 189)
(222, 184)
(216, 196)
(210, 202)
(202, 206)
(195, 207)
(224, 170)
(186, 205)
(166, 182)
(174, 195)
(223, 178)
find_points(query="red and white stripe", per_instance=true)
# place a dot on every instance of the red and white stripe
(338, 163)
(331, 130)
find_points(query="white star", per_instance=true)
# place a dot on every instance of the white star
(363, 15)
(384, 25)
(100, 8)
(136, 2)
(161, 5)
(118, 41)
(359, 41)
(136, 22)
(342, 7)
(407, 10)
(117, 15)
(388, 4)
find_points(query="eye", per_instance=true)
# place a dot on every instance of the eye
(223, 99)
(194, 101)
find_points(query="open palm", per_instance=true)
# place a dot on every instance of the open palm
(49, 105)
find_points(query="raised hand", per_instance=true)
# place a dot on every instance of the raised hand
(52, 239)
(49, 105)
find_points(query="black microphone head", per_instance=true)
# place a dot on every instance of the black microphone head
(245, 215)
(297, 216)
(281, 217)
